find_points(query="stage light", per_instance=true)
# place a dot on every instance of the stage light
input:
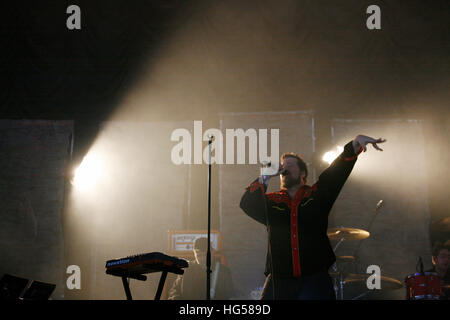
(331, 155)
(88, 173)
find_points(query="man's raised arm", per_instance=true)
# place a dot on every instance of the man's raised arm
(332, 180)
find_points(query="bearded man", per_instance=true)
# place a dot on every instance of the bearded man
(299, 252)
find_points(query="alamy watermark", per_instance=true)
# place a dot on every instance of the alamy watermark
(73, 21)
(191, 149)
(74, 280)
(374, 280)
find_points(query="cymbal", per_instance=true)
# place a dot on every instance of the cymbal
(347, 234)
(387, 283)
(345, 258)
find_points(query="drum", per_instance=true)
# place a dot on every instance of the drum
(416, 287)
(434, 290)
(423, 286)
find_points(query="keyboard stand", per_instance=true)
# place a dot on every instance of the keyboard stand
(126, 287)
(126, 275)
(162, 280)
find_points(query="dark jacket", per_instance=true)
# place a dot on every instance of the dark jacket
(297, 228)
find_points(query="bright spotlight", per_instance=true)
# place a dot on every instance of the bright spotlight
(331, 155)
(88, 173)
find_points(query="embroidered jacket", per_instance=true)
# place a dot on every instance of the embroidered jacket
(297, 228)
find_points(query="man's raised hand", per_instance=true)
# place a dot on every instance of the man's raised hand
(362, 141)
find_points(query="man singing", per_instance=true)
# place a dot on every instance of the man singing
(299, 251)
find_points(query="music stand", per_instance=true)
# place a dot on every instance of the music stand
(11, 287)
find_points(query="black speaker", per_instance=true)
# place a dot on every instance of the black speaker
(11, 287)
(39, 291)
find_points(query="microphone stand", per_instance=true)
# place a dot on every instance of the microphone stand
(272, 277)
(208, 253)
(378, 207)
(342, 282)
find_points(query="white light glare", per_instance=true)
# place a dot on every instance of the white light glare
(331, 155)
(88, 173)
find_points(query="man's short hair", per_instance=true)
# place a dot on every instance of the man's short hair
(438, 247)
(201, 244)
(300, 162)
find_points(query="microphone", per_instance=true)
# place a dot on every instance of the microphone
(379, 205)
(266, 169)
(266, 164)
(420, 263)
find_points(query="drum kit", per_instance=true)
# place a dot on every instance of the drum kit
(419, 286)
(343, 280)
(428, 285)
